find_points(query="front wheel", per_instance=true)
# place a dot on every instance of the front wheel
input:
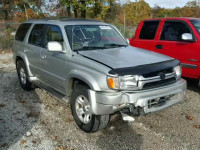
(81, 110)
(23, 76)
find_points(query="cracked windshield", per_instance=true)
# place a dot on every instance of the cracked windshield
(91, 37)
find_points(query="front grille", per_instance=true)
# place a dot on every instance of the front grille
(153, 74)
(158, 101)
(159, 83)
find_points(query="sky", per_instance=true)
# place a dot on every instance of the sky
(167, 3)
(164, 3)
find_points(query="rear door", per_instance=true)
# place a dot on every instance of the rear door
(170, 43)
(146, 37)
(33, 48)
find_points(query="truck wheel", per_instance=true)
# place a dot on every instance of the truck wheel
(82, 114)
(23, 76)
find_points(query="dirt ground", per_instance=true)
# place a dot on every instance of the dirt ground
(37, 120)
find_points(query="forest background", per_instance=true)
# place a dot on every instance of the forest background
(124, 14)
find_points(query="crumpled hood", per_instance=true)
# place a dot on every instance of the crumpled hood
(124, 57)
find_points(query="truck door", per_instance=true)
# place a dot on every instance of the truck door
(170, 43)
(144, 38)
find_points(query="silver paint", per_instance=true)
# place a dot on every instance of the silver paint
(58, 69)
(125, 57)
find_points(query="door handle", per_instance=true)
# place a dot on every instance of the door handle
(195, 60)
(159, 46)
(25, 50)
(43, 56)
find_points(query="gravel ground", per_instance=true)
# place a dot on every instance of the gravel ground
(37, 120)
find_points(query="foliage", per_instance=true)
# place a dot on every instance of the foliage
(112, 11)
(122, 13)
(22, 9)
(134, 12)
(191, 9)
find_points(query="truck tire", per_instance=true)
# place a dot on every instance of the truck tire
(23, 76)
(83, 117)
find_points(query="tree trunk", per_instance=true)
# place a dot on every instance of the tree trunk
(68, 11)
(75, 12)
(83, 9)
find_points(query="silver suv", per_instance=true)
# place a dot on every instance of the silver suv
(91, 64)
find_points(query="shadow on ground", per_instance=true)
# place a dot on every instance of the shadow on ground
(119, 135)
(192, 84)
(19, 110)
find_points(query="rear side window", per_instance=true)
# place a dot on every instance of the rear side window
(36, 37)
(149, 30)
(172, 31)
(21, 32)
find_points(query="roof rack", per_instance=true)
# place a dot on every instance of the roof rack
(64, 19)
(78, 19)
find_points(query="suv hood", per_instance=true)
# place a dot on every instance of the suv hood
(124, 57)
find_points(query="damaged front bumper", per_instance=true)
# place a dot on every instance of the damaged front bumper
(149, 100)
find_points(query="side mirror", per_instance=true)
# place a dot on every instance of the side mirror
(54, 46)
(187, 37)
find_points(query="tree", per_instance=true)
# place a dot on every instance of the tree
(135, 12)
(155, 11)
(10, 8)
(114, 11)
(76, 7)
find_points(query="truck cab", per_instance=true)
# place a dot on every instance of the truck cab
(175, 37)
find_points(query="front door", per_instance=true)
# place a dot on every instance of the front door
(53, 64)
(171, 44)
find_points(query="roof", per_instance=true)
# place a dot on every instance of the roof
(173, 18)
(66, 21)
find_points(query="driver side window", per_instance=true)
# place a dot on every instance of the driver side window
(172, 31)
(53, 33)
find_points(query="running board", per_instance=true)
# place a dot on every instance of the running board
(51, 90)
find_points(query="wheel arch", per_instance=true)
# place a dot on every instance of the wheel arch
(82, 80)
(23, 57)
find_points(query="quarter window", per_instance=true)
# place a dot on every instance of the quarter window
(172, 31)
(53, 33)
(36, 36)
(149, 30)
(22, 30)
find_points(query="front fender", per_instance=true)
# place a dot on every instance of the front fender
(85, 77)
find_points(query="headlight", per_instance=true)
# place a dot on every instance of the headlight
(123, 82)
(178, 71)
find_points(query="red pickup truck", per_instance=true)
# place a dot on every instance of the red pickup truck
(175, 37)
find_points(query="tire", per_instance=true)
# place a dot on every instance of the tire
(95, 122)
(23, 76)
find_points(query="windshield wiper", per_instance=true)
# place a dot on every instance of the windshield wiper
(89, 48)
(116, 45)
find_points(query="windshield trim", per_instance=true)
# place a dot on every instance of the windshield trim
(191, 21)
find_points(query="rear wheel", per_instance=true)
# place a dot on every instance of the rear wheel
(81, 110)
(23, 76)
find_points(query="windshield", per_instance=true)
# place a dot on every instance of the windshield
(91, 37)
(196, 24)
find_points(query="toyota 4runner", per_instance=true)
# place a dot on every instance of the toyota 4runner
(92, 65)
